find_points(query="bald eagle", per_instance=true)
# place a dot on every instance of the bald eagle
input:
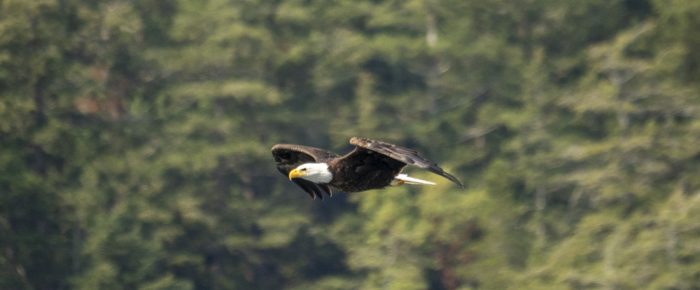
(371, 165)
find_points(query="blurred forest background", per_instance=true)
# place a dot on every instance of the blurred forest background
(135, 136)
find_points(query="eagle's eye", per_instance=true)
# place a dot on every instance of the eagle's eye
(303, 169)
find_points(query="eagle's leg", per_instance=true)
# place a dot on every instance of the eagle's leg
(397, 182)
(405, 179)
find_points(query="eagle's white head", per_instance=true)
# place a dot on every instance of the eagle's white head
(314, 172)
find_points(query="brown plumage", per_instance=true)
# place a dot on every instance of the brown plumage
(371, 165)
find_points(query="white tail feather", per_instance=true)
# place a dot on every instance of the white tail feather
(404, 178)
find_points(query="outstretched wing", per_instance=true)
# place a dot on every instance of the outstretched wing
(290, 156)
(404, 155)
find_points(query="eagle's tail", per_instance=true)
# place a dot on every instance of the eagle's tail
(405, 179)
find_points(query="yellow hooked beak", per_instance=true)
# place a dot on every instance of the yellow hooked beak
(295, 173)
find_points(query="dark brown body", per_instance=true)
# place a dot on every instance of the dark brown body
(368, 172)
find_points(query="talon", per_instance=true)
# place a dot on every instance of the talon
(397, 182)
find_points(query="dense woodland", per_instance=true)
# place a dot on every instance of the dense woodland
(135, 137)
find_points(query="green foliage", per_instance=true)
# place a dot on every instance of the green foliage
(134, 143)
